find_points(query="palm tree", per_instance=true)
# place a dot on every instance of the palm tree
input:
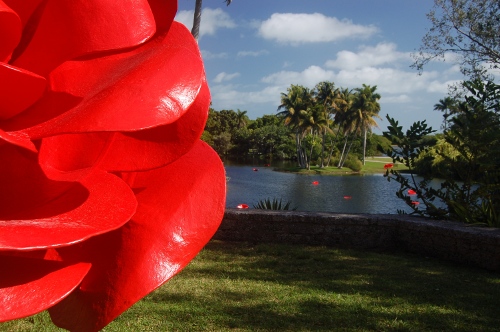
(195, 31)
(296, 104)
(325, 93)
(367, 105)
(342, 108)
(242, 118)
(446, 105)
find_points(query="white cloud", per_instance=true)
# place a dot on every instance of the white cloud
(225, 77)
(252, 53)
(211, 20)
(207, 55)
(311, 28)
(230, 96)
(308, 77)
(381, 54)
(399, 99)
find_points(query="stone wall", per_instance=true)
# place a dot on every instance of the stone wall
(456, 242)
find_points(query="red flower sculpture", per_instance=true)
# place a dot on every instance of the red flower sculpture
(106, 191)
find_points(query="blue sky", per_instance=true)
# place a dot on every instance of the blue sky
(254, 49)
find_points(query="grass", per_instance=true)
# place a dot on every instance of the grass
(372, 165)
(263, 287)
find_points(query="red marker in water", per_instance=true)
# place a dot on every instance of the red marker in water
(242, 206)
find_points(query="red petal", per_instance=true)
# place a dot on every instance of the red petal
(18, 139)
(180, 208)
(69, 29)
(102, 203)
(10, 30)
(38, 212)
(133, 151)
(19, 89)
(29, 286)
(164, 13)
(150, 86)
(24, 9)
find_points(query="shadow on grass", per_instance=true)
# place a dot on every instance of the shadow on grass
(245, 287)
(277, 287)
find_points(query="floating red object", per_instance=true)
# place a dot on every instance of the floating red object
(255, 169)
(411, 192)
(415, 202)
(387, 166)
(315, 183)
(102, 197)
(242, 206)
(347, 197)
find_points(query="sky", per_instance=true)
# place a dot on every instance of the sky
(254, 50)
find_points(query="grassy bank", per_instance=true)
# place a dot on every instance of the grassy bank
(372, 165)
(244, 287)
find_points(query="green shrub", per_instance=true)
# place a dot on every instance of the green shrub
(275, 204)
(353, 163)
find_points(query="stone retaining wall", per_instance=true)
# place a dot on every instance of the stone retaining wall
(443, 239)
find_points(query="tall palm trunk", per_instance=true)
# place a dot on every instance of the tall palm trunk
(195, 31)
(333, 143)
(342, 154)
(347, 153)
(364, 148)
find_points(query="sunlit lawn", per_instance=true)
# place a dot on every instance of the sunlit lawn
(372, 165)
(245, 287)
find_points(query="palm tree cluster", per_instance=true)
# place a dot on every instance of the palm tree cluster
(313, 114)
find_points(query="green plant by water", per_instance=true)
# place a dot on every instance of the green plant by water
(469, 165)
(274, 204)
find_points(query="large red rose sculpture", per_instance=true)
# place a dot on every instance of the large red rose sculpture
(106, 191)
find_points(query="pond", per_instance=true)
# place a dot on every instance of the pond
(325, 193)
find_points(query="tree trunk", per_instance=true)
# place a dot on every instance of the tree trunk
(364, 148)
(195, 31)
(310, 153)
(342, 154)
(347, 153)
(323, 149)
(332, 148)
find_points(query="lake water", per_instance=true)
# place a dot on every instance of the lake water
(325, 193)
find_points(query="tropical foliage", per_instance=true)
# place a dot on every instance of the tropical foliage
(313, 114)
(466, 28)
(466, 158)
(274, 204)
(321, 126)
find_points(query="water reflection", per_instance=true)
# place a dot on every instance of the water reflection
(368, 194)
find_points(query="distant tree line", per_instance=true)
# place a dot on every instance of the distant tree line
(323, 126)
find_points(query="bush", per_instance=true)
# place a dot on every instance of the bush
(353, 163)
(267, 204)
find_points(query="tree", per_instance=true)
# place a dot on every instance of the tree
(468, 28)
(324, 93)
(367, 106)
(296, 103)
(446, 105)
(342, 105)
(195, 31)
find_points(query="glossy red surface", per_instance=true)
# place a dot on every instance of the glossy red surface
(107, 191)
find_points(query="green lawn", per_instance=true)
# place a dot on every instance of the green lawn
(372, 165)
(245, 287)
